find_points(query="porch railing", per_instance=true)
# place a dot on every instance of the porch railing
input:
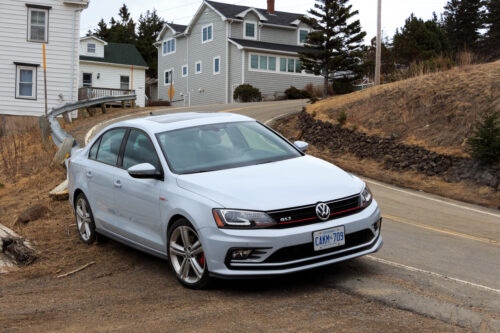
(94, 92)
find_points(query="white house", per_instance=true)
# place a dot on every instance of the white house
(24, 27)
(112, 66)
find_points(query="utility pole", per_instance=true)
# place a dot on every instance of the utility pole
(378, 57)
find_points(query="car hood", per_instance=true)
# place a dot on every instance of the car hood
(290, 183)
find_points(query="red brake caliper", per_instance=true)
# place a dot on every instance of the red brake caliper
(201, 259)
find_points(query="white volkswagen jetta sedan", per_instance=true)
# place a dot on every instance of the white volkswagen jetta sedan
(219, 195)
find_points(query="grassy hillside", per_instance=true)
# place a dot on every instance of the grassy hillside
(437, 111)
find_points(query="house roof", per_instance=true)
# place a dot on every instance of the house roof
(119, 53)
(258, 45)
(178, 27)
(278, 18)
(94, 38)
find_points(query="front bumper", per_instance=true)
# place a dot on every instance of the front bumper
(283, 251)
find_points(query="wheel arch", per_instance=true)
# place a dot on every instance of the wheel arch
(76, 193)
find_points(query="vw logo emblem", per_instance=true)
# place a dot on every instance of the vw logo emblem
(323, 211)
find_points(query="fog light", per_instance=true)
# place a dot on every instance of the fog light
(377, 225)
(241, 253)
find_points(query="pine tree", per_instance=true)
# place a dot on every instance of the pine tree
(335, 44)
(463, 20)
(102, 30)
(492, 20)
(419, 41)
(388, 65)
(150, 25)
(485, 142)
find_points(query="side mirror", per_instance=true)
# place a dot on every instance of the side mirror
(301, 145)
(144, 171)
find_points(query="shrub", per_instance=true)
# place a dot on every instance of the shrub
(294, 93)
(342, 118)
(485, 141)
(247, 93)
(343, 86)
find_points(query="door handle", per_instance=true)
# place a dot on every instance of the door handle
(89, 174)
(118, 184)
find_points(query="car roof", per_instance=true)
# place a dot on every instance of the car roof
(173, 121)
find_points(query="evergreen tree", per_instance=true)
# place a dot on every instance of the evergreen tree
(388, 65)
(419, 41)
(335, 44)
(463, 20)
(492, 20)
(102, 30)
(150, 25)
(485, 141)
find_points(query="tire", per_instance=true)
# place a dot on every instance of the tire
(85, 224)
(186, 257)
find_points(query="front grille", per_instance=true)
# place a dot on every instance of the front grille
(295, 217)
(306, 250)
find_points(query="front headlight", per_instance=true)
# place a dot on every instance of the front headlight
(366, 197)
(229, 218)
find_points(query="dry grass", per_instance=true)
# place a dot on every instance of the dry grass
(23, 154)
(437, 111)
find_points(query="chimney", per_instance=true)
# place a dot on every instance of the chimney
(270, 7)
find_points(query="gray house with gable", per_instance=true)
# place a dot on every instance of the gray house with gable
(226, 45)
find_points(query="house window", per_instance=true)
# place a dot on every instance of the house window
(124, 82)
(169, 46)
(282, 64)
(169, 76)
(272, 64)
(303, 35)
(262, 63)
(298, 66)
(206, 33)
(38, 21)
(197, 67)
(184, 70)
(254, 61)
(216, 65)
(87, 79)
(26, 82)
(90, 48)
(250, 30)
(291, 65)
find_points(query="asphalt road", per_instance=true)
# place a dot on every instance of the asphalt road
(440, 258)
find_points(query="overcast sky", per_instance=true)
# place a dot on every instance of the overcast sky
(394, 12)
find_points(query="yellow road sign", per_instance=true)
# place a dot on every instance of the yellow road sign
(171, 92)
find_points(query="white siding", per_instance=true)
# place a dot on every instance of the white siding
(16, 48)
(99, 48)
(109, 77)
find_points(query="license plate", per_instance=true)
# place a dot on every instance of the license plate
(328, 238)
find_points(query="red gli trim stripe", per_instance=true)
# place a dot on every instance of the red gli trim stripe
(312, 218)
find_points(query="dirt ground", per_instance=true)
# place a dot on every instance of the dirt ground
(126, 290)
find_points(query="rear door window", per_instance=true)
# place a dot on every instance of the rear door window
(139, 149)
(109, 149)
(93, 150)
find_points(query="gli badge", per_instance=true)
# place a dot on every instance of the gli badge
(322, 211)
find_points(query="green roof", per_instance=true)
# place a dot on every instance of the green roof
(119, 53)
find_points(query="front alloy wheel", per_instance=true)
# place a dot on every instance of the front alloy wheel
(186, 255)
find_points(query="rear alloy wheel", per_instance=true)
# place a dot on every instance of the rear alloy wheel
(186, 255)
(84, 220)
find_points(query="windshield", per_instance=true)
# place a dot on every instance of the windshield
(222, 146)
